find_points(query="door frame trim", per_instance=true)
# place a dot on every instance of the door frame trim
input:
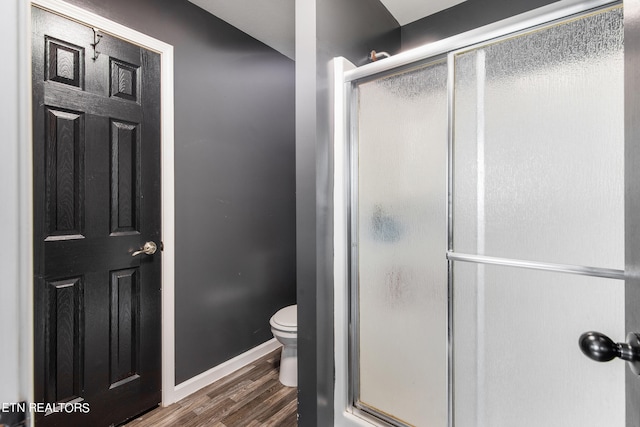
(632, 193)
(167, 170)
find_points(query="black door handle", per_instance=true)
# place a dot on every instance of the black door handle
(601, 348)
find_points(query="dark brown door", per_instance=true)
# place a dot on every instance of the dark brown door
(96, 142)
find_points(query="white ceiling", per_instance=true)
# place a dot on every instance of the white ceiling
(272, 21)
(407, 11)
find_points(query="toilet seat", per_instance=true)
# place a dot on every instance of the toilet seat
(286, 319)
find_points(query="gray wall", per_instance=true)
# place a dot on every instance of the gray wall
(235, 179)
(463, 17)
(324, 29)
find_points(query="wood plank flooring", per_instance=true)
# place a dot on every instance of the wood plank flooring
(250, 397)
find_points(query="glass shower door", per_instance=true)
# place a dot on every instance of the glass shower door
(537, 255)
(399, 241)
(488, 231)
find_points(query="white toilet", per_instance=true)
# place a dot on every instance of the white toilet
(284, 325)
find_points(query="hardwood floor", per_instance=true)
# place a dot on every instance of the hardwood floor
(249, 397)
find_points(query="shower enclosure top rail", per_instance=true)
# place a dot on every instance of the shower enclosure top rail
(539, 16)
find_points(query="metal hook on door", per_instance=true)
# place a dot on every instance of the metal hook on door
(96, 39)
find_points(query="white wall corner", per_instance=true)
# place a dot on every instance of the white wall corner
(10, 174)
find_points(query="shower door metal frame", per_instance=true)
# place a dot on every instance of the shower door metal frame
(359, 408)
(422, 56)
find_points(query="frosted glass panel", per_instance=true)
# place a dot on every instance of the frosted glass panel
(539, 145)
(402, 237)
(516, 355)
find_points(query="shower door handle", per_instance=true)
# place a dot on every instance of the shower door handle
(601, 348)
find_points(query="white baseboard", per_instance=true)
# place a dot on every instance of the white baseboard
(198, 382)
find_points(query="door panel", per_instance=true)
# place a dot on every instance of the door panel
(538, 180)
(125, 169)
(401, 166)
(64, 181)
(517, 361)
(96, 201)
(64, 350)
(124, 320)
(539, 145)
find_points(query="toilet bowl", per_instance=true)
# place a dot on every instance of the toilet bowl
(284, 326)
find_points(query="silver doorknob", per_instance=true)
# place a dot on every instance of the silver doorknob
(149, 248)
